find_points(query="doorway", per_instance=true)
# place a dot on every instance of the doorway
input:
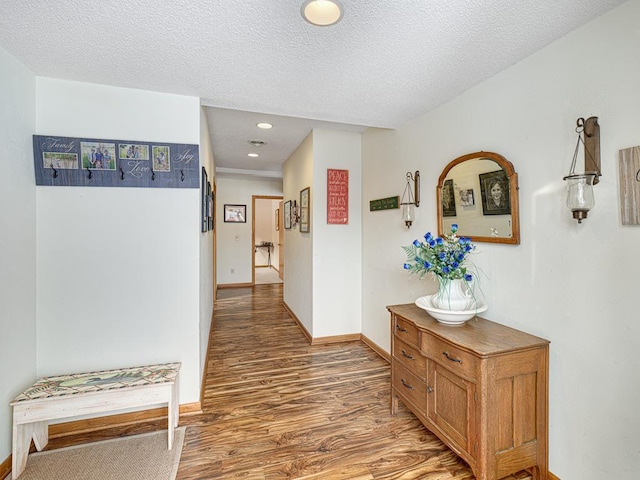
(267, 240)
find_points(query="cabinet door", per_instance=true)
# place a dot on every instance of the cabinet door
(451, 406)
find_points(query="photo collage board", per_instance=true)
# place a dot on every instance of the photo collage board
(91, 162)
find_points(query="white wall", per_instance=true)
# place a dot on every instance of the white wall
(17, 239)
(298, 247)
(206, 249)
(118, 268)
(234, 245)
(337, 252)
(575, 285)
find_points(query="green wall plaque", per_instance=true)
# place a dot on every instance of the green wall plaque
(384, 203)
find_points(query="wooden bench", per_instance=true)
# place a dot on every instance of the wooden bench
(91, 393)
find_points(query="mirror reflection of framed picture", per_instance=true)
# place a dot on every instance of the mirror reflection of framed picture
(494, 187)
(304, 210)
(235, 213)
(466, 198)
(448, 200)
(287, 215)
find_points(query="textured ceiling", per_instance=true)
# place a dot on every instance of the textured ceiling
(385, 63)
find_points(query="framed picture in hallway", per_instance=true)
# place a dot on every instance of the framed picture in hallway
(304, 210)
(235, 213)
(205, 202)
(287, 215)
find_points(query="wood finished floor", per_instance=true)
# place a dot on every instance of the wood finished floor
(276, 407)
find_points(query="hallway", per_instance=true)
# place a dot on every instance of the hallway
(278, 408)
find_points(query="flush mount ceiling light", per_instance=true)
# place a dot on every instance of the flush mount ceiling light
(257, 143)
(253, 155)
(264, 125)
(321, 12)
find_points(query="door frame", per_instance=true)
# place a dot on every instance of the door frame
(253, 229)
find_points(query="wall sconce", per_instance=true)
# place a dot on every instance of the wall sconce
(580, 185)
(413, 198)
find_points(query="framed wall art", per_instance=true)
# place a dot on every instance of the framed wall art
(211, 206)
(448, 200)
(235, 213)
(205, 202)
(629, 172)
(304, 209)
(100, 162)
(287, 214)
(466, 198)
(494, 187)
(337, 197)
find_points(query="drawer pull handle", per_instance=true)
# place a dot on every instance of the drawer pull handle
(403, 330)
(406, 355)
(453, 359)
(406, 384)
(429, 389)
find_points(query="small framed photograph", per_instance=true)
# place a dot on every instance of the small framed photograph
(235, 213)
(210, 206)
(98, 155)
(205, 202)
(161, 158)
(135, 151)
(304, 210)
(496, 199)
(60, 160)
(287, 214)
(448, 200)
(466, 198)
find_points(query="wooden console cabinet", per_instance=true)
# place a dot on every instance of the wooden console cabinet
(482, 388)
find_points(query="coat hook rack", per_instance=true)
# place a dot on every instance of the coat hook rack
(90, 176)
(121, 174)
(182, 175)
(153, 174)
(55, 172)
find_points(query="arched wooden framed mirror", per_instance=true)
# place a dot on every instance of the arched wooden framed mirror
(479, 192)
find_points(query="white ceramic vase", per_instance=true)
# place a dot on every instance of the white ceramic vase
(453, 295)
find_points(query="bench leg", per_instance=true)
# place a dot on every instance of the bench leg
(22, 435)
(173, 412)
(40, 432)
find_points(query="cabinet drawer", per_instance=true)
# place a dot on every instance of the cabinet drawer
(408, 385)
(405, 330)
(449, 356)
(410, 357)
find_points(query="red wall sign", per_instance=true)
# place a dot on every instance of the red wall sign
(337, 196)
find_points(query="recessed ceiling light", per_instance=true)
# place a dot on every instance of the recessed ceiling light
(257, 143)
(253, 155)
(264, 125)
(321, 12)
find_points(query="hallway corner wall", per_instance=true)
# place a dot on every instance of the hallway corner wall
(18, 354)
(298, 250)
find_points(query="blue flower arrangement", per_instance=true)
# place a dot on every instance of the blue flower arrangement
(444, 257)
